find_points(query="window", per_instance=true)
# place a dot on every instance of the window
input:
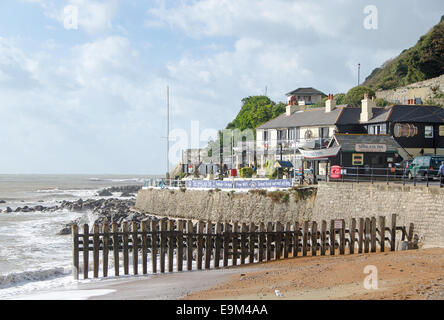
(291, 133)
(428, 131)
(377, 129)
(282, 134)
(323, 132)
(265, 135)
(441, 131)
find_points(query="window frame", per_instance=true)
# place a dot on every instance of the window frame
(431, 136)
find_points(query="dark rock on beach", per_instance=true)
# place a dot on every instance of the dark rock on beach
(127, 194)
(2, 201)
(128, 189)
(104, 193)
(102, 211)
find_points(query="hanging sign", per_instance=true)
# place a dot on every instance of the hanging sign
(369, 147)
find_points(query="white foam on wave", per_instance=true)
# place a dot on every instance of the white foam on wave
(66, 295)
(17, 278)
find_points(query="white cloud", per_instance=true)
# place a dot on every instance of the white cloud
(94, 102)
(95, 16)
(247, 18)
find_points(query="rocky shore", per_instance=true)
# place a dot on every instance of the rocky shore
(104, 210)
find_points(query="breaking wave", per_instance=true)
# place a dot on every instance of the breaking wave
(20, 278)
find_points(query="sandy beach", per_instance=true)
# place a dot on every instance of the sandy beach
(414, 274)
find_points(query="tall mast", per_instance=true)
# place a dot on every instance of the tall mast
(168, 131)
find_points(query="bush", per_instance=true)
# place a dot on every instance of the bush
(356, 94)
(183, 189)
(181, 176)
(302, 193)
(279, 196)
(260, 192)
(381, 102)
(246, 172)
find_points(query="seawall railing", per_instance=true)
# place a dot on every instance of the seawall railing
(186, 245)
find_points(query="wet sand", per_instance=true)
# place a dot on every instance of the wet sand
(414, 274)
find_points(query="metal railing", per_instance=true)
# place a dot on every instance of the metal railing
(387, 175)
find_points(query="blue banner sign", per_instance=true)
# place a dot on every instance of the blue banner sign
(236, 184)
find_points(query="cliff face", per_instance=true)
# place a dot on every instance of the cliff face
(423, 61)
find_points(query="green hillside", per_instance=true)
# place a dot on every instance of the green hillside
(423, 61)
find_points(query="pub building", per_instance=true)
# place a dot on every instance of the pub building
(366, 136)
(367, 151)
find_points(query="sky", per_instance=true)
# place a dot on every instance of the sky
(83, 84)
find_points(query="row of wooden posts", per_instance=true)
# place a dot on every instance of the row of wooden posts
(213, 245)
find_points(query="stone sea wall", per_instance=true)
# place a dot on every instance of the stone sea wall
(223, 206)
(422, 206)
(419, 205)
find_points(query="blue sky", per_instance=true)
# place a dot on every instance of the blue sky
(93, 99)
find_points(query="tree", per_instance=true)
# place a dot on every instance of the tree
(356, 94)
(340, 98)
(255, 111)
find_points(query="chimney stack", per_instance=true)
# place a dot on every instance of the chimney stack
(367, 108)
(291, 108)
(330, 104)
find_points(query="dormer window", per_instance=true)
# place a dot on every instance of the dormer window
(377, 129)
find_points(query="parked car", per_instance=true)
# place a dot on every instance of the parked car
(422, 165)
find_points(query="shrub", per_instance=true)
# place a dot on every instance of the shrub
(181, 176)
(246, 172)
(279, 196)
(183, 189)
(260, 192)
(356, 94)
(302, 193)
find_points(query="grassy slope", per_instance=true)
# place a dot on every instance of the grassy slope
(423, 61)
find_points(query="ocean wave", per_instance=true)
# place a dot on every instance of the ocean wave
(19, 278)
(118, 180)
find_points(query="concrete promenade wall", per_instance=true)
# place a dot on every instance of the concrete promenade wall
(222, 206)
(419, 205)
(422, 206)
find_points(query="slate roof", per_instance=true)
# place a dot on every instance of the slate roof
(348, 141)
(416, 113)
(346, 115)
(306, 91)
(311, 117)
(396, 113)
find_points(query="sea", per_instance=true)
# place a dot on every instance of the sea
(33, 258)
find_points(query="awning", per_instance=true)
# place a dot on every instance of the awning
(320, 153)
